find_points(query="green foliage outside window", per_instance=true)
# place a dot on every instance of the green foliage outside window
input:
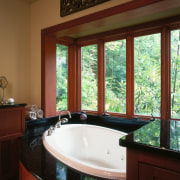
(89, 77)
(61, 77)
(115, 76)
(147, 75)
(175, 74)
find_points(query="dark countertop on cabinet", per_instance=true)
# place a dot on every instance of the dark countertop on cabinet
(12, 105)
(161, 136)
(39, 162)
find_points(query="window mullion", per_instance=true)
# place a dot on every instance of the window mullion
(78, 79)
(165, 74)
(130, 76)
(101, 77)
(72, 78)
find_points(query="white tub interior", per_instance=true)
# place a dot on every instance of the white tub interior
(90, 149)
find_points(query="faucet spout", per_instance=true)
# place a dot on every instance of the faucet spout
(63, 120)
(64, 111)
(58, 124)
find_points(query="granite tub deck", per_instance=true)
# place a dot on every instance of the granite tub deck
(153, 151)
(40, 163)
(158, 136)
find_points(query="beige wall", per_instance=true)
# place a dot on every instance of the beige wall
(20, 43)
(46, 13)
(15, 48)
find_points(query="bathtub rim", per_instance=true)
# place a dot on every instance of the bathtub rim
(79, 165)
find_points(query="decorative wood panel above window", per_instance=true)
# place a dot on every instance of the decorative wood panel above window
(69, 6)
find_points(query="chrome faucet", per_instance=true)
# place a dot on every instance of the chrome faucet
(63, 120)
(58, 124)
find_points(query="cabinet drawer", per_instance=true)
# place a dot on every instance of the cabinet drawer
(12, 122)
(150, 172)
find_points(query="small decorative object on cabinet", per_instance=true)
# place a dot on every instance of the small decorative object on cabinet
(12, 125)
(3, 85)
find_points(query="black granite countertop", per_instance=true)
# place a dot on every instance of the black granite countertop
(12, 105)
(161, 136)
(39, 162)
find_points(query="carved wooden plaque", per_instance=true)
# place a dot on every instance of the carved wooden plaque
(71, 6)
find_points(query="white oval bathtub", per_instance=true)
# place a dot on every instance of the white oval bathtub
(90, 149)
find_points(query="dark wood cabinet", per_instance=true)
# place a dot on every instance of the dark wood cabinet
(12, 125)
(144, 165)
(151, 172)
(12, 122)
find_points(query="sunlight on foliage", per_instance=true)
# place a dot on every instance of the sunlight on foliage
(175, 74)
(115, 76)
(61, 76)
(89, 77)
(147, 75)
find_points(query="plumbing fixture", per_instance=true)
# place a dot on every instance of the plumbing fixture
(83, 116)
(152, 118)
(58, 124)
(105, 114)
(63, 120)
(50, 130)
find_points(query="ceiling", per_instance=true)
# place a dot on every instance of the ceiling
(159, 10)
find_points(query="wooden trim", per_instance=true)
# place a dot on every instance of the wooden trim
(146, 31)
(91, 112)
(78, 79)
(130, 76)
(65, 40)
(43, 74)
(136, 30)
(165, 133)
(159, 161)
(12, 128)
(49, 76)
(174, 27)
(87, 41)
(106, 37)
(49, 39)
(101, 14)
(101, 77)
(165, 74)
(72, 78)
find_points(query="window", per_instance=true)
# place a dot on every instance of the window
(127, 72)
(61, 77)
(89, 77)
(147, 75)
(115, 76)
(175, 74)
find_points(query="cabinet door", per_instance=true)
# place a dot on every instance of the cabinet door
(12, 122)
(150, 172)
(9, 156)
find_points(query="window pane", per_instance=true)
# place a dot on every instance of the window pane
(115, 76)
(89, 77)
(175, 74)
(61, 77)
(147, 75)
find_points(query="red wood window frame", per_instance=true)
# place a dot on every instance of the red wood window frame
(48, 74)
